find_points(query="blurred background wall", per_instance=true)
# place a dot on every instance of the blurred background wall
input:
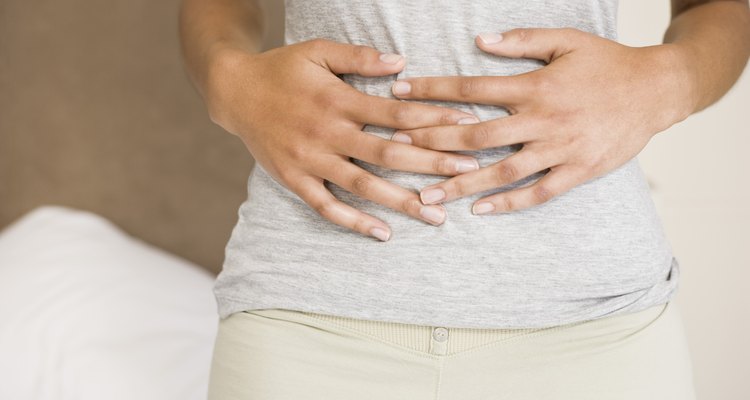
(699, 170)
(97, 113)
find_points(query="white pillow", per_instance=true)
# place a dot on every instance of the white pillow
(88, 312)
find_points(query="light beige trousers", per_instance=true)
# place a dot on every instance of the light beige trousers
(277, 354)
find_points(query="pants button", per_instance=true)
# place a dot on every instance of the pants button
(440, 334)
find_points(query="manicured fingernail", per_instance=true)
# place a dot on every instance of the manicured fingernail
(433, 214)
(467, 165)
(390, 58)
(380, 234)
(468, 120)
(400, 137)
(401, 88)
(482, 208)
(432, 195)
(490, 37)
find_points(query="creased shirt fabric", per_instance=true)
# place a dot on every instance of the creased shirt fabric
(596, 250)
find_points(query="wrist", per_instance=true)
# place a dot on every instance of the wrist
(679, 82)
(224, 63)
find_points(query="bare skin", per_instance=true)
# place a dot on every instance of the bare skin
(624, 96)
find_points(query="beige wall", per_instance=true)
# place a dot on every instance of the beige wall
(97, 113)
(699, 169)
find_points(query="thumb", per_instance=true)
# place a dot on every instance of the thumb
(344, 58)
(545, 44)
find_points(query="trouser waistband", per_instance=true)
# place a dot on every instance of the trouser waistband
(443, 340)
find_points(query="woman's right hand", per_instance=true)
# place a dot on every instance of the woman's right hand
(302, 123)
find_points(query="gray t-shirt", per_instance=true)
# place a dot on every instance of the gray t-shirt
(594, 251)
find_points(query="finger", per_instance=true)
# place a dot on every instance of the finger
(403, 157)
(559, 180)
(313, 192)
(538, 43)
(511, 169)
(492, 90)
(368, 186)
(494, 133)
(344, 58)
(379, 111)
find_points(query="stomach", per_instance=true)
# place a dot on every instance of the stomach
(601, 239)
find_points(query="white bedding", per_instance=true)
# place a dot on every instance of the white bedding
(88, 312)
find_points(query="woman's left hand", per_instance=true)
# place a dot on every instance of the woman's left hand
(594, 107)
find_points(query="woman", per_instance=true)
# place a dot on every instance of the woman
(517, 251)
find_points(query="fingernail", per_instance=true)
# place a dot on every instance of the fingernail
(435, 215)
(380, 234)
(432, 195)
(390, 58)
(400, 137)
(467, 165)
(490, 37)
(482, 208)
(401, 87)
(468, 120)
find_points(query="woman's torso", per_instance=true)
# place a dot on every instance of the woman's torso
(595, 250)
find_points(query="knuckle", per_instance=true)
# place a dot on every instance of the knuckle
(387, 154)
(317, 44)
(566, 140)
(285, 176)
(523, 35)
(421, 87)
(442, 164)
(569, 32)
(313, 133)
(568, 118)
(400, 113)
(540, 84)
(360, 52)
(424, 139)
(458, 188)
(592, 159)
(361, 184)
(505, 203)
(325, 209)
(478, 138)
(446, 118)
(546, 84)
(596, 160)
(467, 88)
(297, 152)
(328, 99)
(506, 172)
(542, 193)
(360, 225)
(410, 206)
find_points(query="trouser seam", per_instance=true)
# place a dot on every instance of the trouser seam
(441, 362)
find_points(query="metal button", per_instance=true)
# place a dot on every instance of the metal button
(440, 334)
